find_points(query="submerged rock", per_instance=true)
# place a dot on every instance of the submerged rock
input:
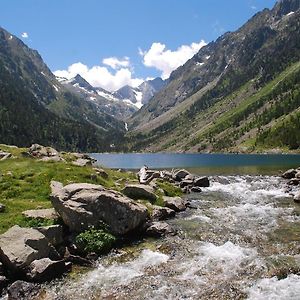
(289, 174)
(22, 290)
(83, 205)
(139, 191)
(196, 189)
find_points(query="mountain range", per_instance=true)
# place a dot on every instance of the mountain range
(240, 93)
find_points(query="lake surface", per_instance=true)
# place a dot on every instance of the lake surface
(202, 163)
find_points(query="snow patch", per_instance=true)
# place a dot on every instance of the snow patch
(199, 64)
(290, 13)
(126, 126)
(106, 96)
(55, 87)
(207, 57)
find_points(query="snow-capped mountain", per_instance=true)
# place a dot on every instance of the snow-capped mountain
(142, 94)
(121, 103)
(104, 100)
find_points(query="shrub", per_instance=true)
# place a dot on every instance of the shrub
(95, 240)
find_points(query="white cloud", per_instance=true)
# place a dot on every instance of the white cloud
(253, 7)
(166, 60)
(100, 76)
(24, 35)
(116, 63)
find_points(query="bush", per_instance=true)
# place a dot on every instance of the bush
(95, 240)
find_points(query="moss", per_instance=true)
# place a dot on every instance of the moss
(169, 189)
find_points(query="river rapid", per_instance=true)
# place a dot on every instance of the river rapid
(240, 241)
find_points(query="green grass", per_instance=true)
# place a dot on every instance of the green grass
(25, 184)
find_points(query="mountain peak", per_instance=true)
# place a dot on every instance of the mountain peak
(284, 7)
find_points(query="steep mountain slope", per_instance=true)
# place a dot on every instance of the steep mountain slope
(229, 95)
(35, 107)
(103, 100)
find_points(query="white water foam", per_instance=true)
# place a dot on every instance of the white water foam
(218, 261)
(274, 289)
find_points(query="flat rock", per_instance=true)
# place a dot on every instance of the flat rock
(157, 229)
(289, 174)
(81, 162)
(139, 191)
(40, 151)
(175, 203)
(162, 213)
(46, 269)
(83, 205)
(43, 214)
(19, 247)
(201, 182)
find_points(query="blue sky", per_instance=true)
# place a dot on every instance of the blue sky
(138, 38)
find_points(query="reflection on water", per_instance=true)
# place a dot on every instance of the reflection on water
(210, 164)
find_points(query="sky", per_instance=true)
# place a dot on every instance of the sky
(116, 42)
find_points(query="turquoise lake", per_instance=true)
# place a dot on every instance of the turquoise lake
(202, 163)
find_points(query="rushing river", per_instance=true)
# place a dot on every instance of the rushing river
(241, 241)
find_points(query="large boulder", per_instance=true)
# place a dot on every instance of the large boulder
(139, 191)
(175, 203)
(201, 182)
(53, 233)
(83, 205)
(81, 162)
(19, 247)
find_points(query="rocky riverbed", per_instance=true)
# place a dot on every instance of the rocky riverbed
(225, 237)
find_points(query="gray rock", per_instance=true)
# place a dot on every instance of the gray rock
(139, 191)
(101, 173)
(46, 269)
(52, 158)
(297, 174)
(180, 174)
(5, 155)
(21, 290)
(297, 197)
(196, 189)
(2, 207)
(81, 162)
(84, 205)
(53, 233)
(185, 190)
(289, 174)
(294, 181)
(201, 182)
(19, 247)
(175, 203)
(3, 282)
(43, 214)
(162, 213)
(40, 151)
(186, 182)
(157, 229)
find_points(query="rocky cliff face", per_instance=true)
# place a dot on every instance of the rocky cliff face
(221, 77)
